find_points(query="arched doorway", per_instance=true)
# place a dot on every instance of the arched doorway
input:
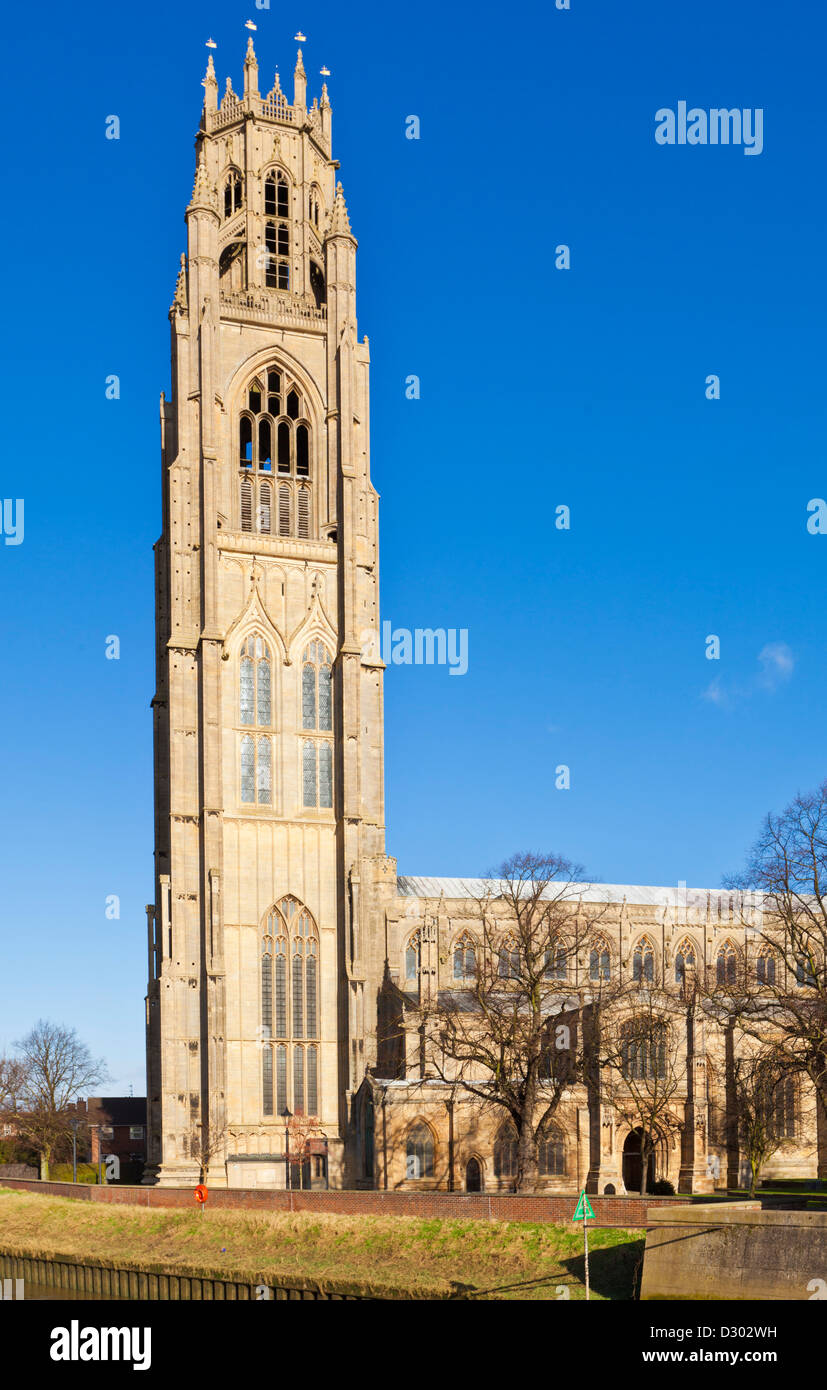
(473, 1176)
(633, 1163)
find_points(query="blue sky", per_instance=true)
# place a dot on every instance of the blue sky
(540, 387)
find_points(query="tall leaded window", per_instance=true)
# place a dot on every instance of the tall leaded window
(419, 1152)
(643, 962)
(277, 230)
(509, 960)
(317, 696)
(505, 1152)
(805, 972)
(233, 189)
(765, 966)
(255, 708)
(551, 1152)
(643, 1050)
(600, 961)
(317, 717)
(274, 439)
(290, 1010)
(726, 965)
(778, 1104)
(413, 958)
(465, 958)
(684, 962)
(555, 965)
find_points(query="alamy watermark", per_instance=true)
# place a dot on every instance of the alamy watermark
(718, 126)
(13, 520)
(421, 646)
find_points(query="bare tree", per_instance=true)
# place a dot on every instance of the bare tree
(641, 1055)
(764, 1086)
(205, 1141)
(508, 1034)
(784, 903)
(13, 1077)
(301, 1129)
(59, 1068)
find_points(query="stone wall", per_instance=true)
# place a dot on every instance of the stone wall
(734, 1251)
(482, 1206)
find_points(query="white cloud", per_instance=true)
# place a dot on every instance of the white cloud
(776, 663)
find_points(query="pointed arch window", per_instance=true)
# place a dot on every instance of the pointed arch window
(765, 966)
(413, 958)
(465, 958)
(277, 230)
(317, 717)
(255, 673)
(806, 975)
(643, 1050)
(419, 1152)
(255, 708)
(509, 966)
(600, 961)
(551, 1152)
(505, 1152)
(277, 194)
(555, 966)
(274, 437)
(233, 191)
(317, 695)
(290, 1009)
(726, 965)
(684, 962)
(643, 962)
(777, 1096)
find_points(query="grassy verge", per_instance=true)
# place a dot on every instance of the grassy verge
(466, 1259)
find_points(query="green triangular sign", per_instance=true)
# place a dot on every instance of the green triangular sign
(583, 1209)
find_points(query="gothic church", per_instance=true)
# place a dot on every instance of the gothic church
(278, 920)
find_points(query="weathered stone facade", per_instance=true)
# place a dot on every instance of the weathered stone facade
(280, 929)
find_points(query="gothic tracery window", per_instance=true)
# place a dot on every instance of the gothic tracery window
(555, 966)
(600, 961)
(465, 958)
(551, 1152)
(413, 957)
(290, 1010)
(643, 962)
(317, 717)
(726, 965)
(684, 961)
(765, 966)
(274, 457)
(509, 964)
(643, 1050)
(277, 230)
(419, 1152)
(233, 187)
(255, 708)
(505, 1152)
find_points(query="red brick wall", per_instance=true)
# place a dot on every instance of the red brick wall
(609, 1211)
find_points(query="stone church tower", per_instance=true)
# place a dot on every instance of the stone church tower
(267, 711)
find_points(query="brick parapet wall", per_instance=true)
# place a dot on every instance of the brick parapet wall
(481, 1206)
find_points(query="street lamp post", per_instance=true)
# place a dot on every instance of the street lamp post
(288, 1115)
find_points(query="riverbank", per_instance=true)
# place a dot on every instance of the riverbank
(373, 1257)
